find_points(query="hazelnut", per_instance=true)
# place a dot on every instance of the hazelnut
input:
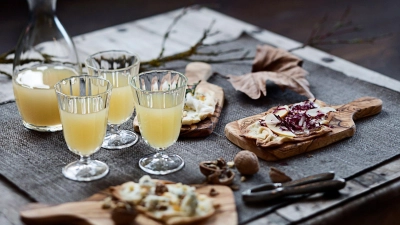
(246, 162)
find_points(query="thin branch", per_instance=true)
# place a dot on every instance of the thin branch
(222, 60)
(5, 54)
(219, 52)
(182, 55)
(345, 15)
(169, 29)
(319, 36)
(215, 43)
(370, 40)
(5, 73)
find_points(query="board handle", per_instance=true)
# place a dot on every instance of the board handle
(196, 71)
(362, 107)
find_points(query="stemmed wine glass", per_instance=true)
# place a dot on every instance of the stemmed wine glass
(83, 103)
(117, 66)
(159, 98)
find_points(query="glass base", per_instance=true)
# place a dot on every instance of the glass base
(120, 140)
(42, 128)
(161, 164)
(79, 171)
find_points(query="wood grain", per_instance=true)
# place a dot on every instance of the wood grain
(90, 212)
(204, 127)
(342, 124)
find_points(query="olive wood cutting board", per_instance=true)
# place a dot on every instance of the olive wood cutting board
(90, 211)
(206, 126)
(342, 124)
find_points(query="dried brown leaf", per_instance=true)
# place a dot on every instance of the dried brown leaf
(276, 65)
(278, 176)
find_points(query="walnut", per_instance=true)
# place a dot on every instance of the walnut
(246, 162)
(217, 172)
(223, 177)
(209, 167)
(160, 188)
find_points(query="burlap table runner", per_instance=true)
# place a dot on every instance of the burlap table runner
(33, 160)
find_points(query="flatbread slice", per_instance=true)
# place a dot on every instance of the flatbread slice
(169, 203)
(272, 129)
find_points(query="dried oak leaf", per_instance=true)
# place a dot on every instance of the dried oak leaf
(276, 65)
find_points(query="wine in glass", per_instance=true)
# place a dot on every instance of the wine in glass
(159, 98)
(117, 66)
(83, 103)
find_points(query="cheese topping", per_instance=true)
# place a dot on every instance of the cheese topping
(178, 200)
(198, 107)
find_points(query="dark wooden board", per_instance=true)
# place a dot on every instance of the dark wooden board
(342, 124)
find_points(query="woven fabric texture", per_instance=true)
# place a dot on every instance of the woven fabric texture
(33, 160)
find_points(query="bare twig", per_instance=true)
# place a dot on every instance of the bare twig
(320, 35)
(193, 51)
(5, 73)
(187, 55)
(169, 29)
(219, 52)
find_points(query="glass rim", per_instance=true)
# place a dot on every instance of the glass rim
(108, 90)
(137, 63)
(158, 71)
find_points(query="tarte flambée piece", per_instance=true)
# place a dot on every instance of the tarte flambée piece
(169, 203)
(198, 106)
(294, 123)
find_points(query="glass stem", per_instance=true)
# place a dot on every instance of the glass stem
(161, 156)
(84, 160)
(114, 128)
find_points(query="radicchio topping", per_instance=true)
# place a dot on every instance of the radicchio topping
(297, 120)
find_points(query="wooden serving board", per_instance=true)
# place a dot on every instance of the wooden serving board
(206, 126)
(90, 211)
(342, 125)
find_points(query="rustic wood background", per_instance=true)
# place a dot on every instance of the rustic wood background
(291, 18)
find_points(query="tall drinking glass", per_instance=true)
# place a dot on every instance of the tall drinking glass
(117, 66)
(159, 98)
(83, 103)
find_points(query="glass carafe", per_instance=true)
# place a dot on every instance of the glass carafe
(44, 55)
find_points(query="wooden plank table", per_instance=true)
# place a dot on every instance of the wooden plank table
(370, 197)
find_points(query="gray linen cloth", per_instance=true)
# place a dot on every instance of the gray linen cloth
(33, 160)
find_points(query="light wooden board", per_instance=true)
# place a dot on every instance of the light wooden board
(90, 212)
(342, 124)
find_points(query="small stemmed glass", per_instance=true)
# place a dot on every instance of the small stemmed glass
(117, 66)
(159, 98)
(83, 103)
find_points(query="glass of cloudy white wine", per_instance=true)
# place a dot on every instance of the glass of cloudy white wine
(83, 103)
(117, 66)
(159, 98)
